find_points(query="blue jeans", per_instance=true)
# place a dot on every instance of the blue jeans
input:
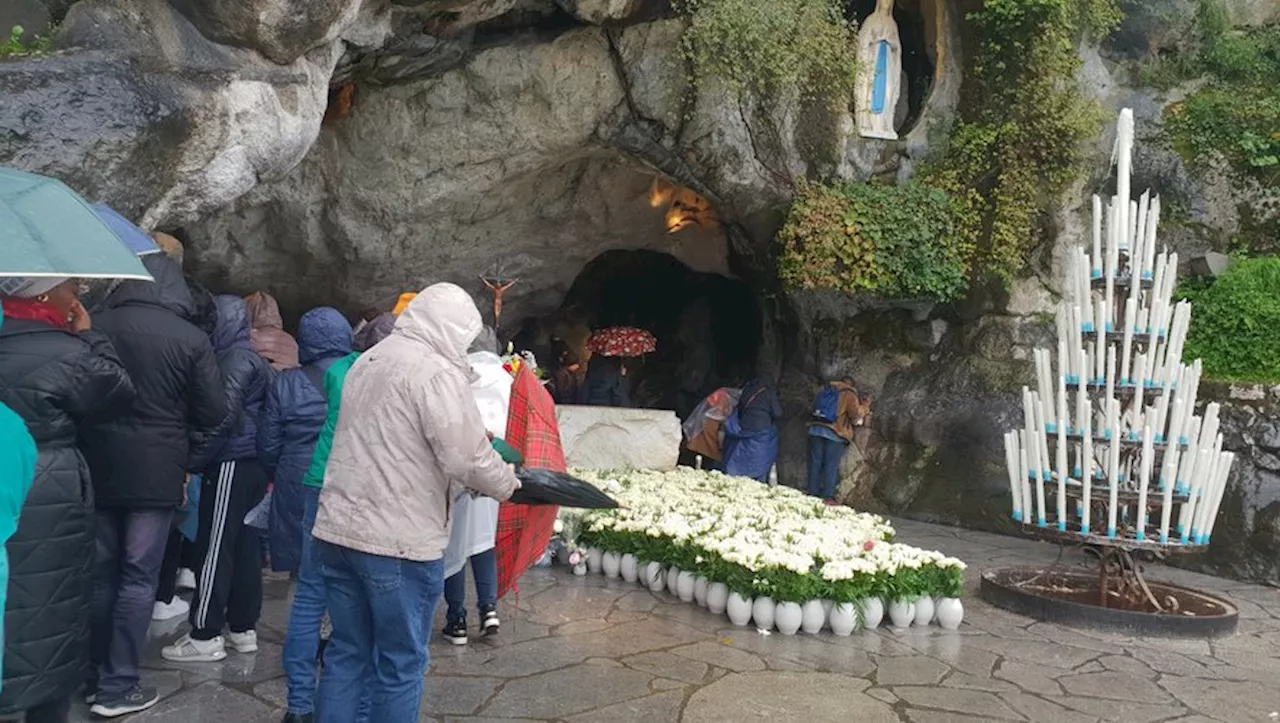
(305, 619)
(824, 466)
(484, 566)
(382, 610)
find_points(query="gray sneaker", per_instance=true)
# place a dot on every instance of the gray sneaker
(138, 699)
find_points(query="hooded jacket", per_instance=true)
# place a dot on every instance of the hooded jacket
(268, 335)
(245, 379)
(410, 436)
(140, 458)
(57, 382)
(290, 426)
(847, 417)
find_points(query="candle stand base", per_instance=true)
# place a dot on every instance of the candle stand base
(1108, 590)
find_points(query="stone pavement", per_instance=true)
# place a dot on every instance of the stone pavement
(587, 649)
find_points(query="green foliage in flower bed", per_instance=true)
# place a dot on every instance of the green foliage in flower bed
(21, 44)
(765, 48)
(891, 241)
(1235, 322)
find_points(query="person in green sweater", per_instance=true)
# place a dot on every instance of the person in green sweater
(302, 642)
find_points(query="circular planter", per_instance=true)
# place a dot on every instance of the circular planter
(700, 586)
(1072, 598)
(629, 568)
(718, 598)
(609, 563)
(788, 617)
(924, 611)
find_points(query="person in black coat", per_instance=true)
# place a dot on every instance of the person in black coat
(229, 584)
(606, 383)
(139, 463)
(57, 375)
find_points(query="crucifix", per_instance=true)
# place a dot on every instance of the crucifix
(499, 287)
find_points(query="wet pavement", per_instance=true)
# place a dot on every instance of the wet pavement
(585, 649)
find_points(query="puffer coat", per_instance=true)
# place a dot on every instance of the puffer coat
(290, 426)
(56, 381)
(245, 378)
(140, 458)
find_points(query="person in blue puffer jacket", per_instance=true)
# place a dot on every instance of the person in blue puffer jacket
(229, 581)
(290, 426)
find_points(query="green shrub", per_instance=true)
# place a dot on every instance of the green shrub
(1235, 322)
(20, 45)
(890, 241)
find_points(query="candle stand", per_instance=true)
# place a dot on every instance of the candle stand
(1112, 456)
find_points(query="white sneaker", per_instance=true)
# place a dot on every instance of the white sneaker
(186, 579)
(176, 607)
(246, 642)
(189, 650)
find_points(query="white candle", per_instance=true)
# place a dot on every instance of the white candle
(1024, 460)
(1126, 347)
(1096, 266)
(1162, 411)
(1224, 474)
(1041, 454)
(1186, 516)
(1135, 251)
(1085, 300)
(1086, 475)
(1113, 467)
(1064, 417)
(1109, 290)
(1011, 452)
(1111, 431)
(1157, 289)
(1139, 369)
(1144, 479)
(1082, 390)
(1152, 223)
(1062, 469)
(1140, 235)
(1188, 462)
(1123, 160)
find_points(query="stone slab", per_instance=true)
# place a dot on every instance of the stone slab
(786, 696)
(615, 438)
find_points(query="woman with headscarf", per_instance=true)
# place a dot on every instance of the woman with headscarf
(268, 334)
(57, 374)
(751, 432)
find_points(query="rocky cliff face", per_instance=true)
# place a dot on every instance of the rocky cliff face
(341, 151)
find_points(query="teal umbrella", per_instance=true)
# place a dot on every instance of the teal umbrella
(48, 230)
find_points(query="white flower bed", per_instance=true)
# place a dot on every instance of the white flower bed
(760, 543)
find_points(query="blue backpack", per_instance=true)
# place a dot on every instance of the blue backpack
(827, 407)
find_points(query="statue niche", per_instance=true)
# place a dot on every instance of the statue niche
(879, 73)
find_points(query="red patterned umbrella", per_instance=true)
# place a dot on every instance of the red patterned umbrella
(624, 341)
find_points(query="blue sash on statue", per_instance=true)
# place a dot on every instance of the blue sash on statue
(881, 89)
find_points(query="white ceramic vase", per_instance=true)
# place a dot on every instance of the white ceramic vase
(788, 617)
(580, 569)
(872, 609)
(827, 606)
(717, 597)
(762, 612)
(629, 568)
(924, 611)
(902, 613)
(844, 618)
(653, 576)
(950, 612)
(813, 617)
(610, 563)
(673, 577)
(684, 586)
(738, 607)
(700, 586)
(595, 560)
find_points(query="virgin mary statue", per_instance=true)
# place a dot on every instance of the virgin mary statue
(879, 73)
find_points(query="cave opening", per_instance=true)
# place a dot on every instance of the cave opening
(917, 34)
(709, 326)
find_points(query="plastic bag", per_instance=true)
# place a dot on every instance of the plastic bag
(545, 487)
(258, 516)
(717, 406)
(190, 526)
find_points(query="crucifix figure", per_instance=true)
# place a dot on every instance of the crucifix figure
(498, 288)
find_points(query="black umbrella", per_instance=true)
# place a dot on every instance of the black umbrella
(545, 487)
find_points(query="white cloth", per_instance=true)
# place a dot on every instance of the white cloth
(475, 518)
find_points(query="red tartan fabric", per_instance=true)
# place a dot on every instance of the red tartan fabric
(524, 531)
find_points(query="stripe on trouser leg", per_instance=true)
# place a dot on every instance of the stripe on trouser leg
(208, 573)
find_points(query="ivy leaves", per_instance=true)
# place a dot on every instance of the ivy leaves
(1235, 326)
(891, 241)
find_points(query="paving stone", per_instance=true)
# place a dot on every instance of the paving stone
(668, 665)
(1124, 664)
(208, 703)
(1030, 677)
(456, 695)
(1119, 711)
(1041, 653)
(973, 682)
(909, 671)
(235, 668)
(973, 702)
(1038, 709)
(971, 660)
(579, 627)
(721, 656)
(938, 716)
(884, 695)
(657, 708)
(1224, 699)
(275, 692)
(661, 684)
(1171, 663)
(1116, 686)
(786, 696)
(565, 692)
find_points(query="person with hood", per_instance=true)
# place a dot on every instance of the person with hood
(290, 424)
(58, 375)
(838, 411)
(476, 517)
(606, 383)
(229, 581)
(751, 431)
(302, 640)
(268, 335)
(409, 439)
(17, 471)
(139, 463)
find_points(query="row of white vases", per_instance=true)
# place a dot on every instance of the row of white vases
(787, 617)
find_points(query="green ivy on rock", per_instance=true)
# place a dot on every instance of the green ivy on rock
(1235, 322)
(890, 241)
